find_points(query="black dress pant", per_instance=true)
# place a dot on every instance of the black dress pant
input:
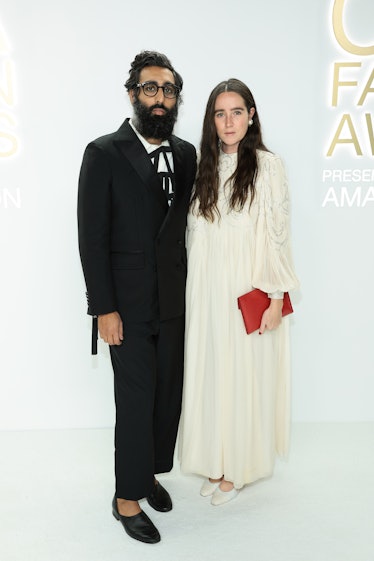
(148, 378)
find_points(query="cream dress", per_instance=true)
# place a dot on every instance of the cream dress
(236, 397)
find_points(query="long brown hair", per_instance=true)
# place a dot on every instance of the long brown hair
(244, 177)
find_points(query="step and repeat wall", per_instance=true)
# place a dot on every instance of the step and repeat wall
(63, 64)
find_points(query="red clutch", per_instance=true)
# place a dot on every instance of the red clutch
(253, 304)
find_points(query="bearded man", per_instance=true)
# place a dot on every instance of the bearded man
(134, 192)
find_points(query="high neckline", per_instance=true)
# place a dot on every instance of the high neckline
(227, 154)
(227, 162)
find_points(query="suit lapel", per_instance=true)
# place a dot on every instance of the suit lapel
(178, 167)
(130, 145)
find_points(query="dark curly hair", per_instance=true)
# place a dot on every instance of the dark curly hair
(150, 58)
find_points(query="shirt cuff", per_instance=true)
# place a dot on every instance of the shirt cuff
(277, 295)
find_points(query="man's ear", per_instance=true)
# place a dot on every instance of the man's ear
(132, 96)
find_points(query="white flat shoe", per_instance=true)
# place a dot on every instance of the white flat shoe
(208, 488)
(221, 497)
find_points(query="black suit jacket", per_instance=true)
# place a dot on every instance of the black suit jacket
(132, 245)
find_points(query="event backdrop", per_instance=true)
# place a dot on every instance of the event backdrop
(63, 64)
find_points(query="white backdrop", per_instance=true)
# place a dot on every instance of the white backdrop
(62, 69)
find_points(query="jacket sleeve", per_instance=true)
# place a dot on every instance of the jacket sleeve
(94, 223)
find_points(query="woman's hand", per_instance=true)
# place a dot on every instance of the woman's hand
(272, 316)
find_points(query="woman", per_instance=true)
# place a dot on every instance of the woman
(235, 414)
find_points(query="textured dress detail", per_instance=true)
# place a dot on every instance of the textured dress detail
(236, 397)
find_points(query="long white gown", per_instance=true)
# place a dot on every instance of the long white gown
(236, 397)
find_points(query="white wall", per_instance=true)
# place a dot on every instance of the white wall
(66, 63)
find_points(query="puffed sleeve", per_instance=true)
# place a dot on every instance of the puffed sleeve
(273, 265)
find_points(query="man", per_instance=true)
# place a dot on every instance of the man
(134, 192)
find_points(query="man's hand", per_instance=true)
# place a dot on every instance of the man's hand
(111, 328)
(272, 316)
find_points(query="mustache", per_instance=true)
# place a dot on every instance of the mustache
(158, 106)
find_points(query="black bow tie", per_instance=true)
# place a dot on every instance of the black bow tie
(159, 150)
(155, 156)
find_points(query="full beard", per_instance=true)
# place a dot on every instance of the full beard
(154, 126)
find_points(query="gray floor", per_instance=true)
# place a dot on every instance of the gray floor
(56, 489)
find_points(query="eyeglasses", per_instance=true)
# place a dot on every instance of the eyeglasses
(151, 88)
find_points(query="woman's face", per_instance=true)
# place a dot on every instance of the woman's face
(231, 120)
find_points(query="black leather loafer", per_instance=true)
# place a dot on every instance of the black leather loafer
(160, 499)
(139, 527)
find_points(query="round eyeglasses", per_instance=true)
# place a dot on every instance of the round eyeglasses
(151, 88)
